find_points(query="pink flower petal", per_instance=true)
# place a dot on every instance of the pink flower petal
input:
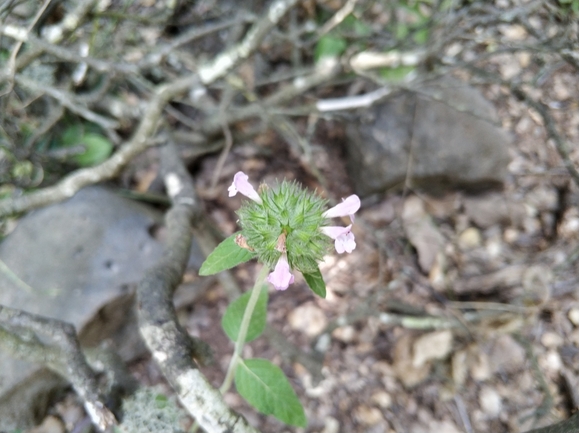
(240, 184)
(281, 277)
(345, 243)
(335, 231)
(349, 206)
(344, 238)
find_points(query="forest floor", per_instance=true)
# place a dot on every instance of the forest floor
(484, 340)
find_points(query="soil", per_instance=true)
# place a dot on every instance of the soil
(404, 349)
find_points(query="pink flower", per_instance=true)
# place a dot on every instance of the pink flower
(240, 184)
(281, 277)
(349, 206)
(343, 236)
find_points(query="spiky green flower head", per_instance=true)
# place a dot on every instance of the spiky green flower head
(284, 225)
(288, 219)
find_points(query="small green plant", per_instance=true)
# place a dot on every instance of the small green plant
(96, 147)
(568, 8)
(337, 40)
(286, 228)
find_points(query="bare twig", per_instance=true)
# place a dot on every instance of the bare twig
(195, 33)
(226, 98)
(351, 102)
(21, 35)
(11, 66)
(392, 59)
(323, 73)
(338, 17)
(57, 32)
(65, 356)
(68, 101)
(207, 73)
(52, 119)
(169, 344)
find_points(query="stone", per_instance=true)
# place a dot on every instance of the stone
(537, 282)
(431, 346)
(543, 199)
(382, 399)
(480, 367)
(308, 318)
(403, 367)
(509, 276)
(51, 424)
(507, 356)
(486, 210)
(490, 401)
(469, 239)
(345, 334)
(368, 415)
(569, 225)
(551, 361)
(552, 340)
(331, 425)
(444, 137)
(79, 261)
(574, 316)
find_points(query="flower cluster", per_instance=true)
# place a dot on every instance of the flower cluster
(287, 227)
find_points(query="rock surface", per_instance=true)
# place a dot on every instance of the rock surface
(443, 137)
(79, 261)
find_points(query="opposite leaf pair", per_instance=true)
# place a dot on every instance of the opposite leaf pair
(260, 382)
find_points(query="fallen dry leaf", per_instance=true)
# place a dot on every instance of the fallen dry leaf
(421, 232)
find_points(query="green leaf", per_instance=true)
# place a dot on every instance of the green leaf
(316, 283)
(97, 149)
(401, 31)
(4, 55)
(72, 135)
(421, 36)
(233, 316)
(227, 255)
(396, 74)
(267, 389)
(329, 46)
(353, 24)
(362, 29)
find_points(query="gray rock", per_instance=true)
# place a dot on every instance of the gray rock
(445, 137)
(79, 261)
(494, 208)
(507, 355)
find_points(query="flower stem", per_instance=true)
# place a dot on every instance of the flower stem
(243, 329)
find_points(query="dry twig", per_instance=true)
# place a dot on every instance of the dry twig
(206, 74)
(65, 356)
(171, 347)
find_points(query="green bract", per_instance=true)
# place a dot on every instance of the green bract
(291, 211)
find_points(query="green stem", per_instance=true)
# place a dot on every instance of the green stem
(243, 329)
